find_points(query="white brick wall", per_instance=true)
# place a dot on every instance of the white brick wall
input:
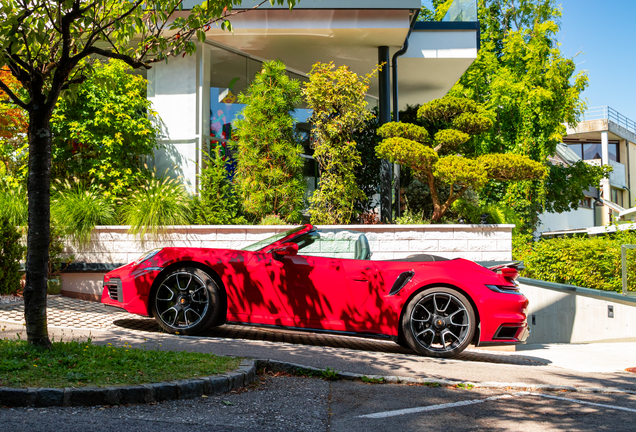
(113, 244)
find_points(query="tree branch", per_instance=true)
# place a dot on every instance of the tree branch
(16, 100)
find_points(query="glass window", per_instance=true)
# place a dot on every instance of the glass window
(617, 196)
(592, 151)
(614, 154)
(577, 148)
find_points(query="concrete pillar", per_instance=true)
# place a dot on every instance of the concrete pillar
(178, 94)
(386, 168)
(605, 184)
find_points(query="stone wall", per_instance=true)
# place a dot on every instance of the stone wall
(113, 244)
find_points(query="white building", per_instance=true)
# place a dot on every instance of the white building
(195, 96)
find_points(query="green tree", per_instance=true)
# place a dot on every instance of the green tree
(439, 153)
(11, 252)
(336, 97)
(217, 203)
(521, 74)
(47, 47)
(269, 172)
(102, 131)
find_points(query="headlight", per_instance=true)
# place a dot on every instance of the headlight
(506, 289)
(146, 256)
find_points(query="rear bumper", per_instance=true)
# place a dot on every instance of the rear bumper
(522, 333)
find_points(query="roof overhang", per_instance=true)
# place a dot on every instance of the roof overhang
(349, 33)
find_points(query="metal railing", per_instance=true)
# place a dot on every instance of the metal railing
(609, 113)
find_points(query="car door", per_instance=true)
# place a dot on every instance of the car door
(313, 288)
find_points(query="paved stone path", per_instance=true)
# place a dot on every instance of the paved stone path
(65, 312)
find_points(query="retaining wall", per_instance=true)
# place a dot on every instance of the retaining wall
(560, 313)
(113, 244)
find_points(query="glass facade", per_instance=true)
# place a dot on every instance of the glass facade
(232, 74)
(589, 151)
(462, 10)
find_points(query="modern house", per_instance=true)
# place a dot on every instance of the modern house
(604, 137)
(195, 96)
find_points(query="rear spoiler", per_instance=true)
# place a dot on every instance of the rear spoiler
(509, 270)
(518, 265)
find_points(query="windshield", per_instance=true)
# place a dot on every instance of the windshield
(273, 239)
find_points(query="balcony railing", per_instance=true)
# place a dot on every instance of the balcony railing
(462, 10)
(609, 113)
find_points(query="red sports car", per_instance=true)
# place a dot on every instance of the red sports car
(324, 280)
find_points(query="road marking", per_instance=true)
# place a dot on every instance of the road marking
(394, 413)
(386, 414)
(582, 402)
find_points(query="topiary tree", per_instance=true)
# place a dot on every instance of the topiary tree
(435, 152)
(269, 169)
(336, 97)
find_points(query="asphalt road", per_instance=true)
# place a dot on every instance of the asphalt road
(282, 403)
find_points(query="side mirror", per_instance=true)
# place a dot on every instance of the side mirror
(286, 249)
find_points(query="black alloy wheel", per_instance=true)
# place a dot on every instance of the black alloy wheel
(186, 301)
(439, 322)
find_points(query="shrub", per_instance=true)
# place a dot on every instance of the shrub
(272, 220)
(77, 209)
(11, 252)
(586, 262)
(103, 130)
(218, 203)
(339, 110)
(155, 204)
(269, 172)
(14, 205)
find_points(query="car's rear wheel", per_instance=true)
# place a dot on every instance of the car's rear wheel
(439, 322)
(186, 301)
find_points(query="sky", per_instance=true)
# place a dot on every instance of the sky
(601, 34)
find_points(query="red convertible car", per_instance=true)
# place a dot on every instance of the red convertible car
(324, 280)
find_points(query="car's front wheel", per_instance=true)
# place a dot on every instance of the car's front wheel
(439, 322)
(186, 301)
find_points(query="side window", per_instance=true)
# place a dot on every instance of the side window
(328, 244)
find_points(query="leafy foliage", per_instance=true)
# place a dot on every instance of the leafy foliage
(272, 220)
(565, 185)
(11, 252)
(269, 174)
(103, 131)
(522, 76)
(436, 164)
(593, 262)
(336, 96)
(13, 132)
(217, 203)
(368, 172)
(155, 204)
(77, 209)
(13, 204)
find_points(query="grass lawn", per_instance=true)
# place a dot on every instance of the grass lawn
(82, 364)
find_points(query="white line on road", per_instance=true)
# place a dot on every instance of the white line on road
(582, 402)
(394, 413)
(433, 407)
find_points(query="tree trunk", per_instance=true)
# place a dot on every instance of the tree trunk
(38, 237)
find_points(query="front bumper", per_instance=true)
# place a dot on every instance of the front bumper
(128, 288)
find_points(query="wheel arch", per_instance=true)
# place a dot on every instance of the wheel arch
(430, 286)
(209, 270)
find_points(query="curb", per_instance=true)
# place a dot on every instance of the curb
(143, 393)
(292, 368)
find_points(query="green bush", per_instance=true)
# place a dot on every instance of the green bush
(14, 204)
(155, 204)
(269, 173)
(77, 209)
(586, 262)
(218, 203)
(11, 252)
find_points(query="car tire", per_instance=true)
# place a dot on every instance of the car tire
(186, 301)
(439, 322)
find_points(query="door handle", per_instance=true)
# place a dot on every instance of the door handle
(361, 279)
